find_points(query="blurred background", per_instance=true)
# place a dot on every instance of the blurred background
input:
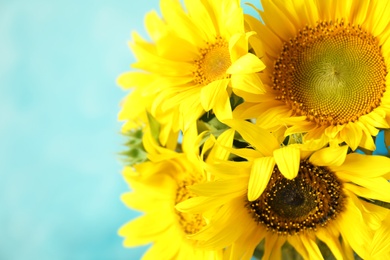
(60, 181)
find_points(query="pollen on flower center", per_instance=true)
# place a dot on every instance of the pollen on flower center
(332, 73)
(213, 63)
(190, 223)
(310, 200)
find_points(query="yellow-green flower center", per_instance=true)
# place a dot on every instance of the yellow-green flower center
(213, 62)
(332, 73)
(190, 223)
(310, 200)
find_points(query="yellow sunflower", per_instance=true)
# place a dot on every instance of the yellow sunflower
(157, 186)
(326, 70)
(289, 195)
(198, 55)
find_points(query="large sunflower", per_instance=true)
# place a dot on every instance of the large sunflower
(327, 69)
(289, 195)
(198, 54)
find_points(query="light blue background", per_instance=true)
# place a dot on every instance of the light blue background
(60, 179)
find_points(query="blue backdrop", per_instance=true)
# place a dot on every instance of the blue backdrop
(60, 181)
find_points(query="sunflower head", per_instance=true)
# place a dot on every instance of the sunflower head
(333, 73)
(309, 201)
(197, 55)
(213, 62)
(327, 69)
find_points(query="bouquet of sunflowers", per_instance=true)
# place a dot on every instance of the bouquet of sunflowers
(256, 137)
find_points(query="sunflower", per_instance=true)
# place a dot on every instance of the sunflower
(198, 55)
(289, 195)
(157, 186)
(326, 70)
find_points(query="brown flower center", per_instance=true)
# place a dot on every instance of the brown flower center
(213, 63)
(191, 223)
(332, 73)
(312, 199)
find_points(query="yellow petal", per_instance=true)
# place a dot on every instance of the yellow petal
(238, 46)
(364, 165)
(311, 247)
(352, 226)
(201, 204)
(331, 241)
(222, 108)
(381, 242)
(260, 174)
(160, 250)
(288, 159)
(203, 19)
(216, 233)
(377, 185)
(227, 187)
(272, 248)
(248, 82)
(352, 134)
(329, 156)
(296, 242)
(257, 137)
(210, 94)
(143, 229)
(249, 63)
(363, 192)
(224, 140)
(375, 214)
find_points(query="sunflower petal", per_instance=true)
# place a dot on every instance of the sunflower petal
(329, 156)
(288, 159)
(364, 165)
(249, 63)
(210, 94)
(259, 138)
(260, 174)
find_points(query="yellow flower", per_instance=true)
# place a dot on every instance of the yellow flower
(157, 186)
(327, 69)
(286, 194)
(198, 55)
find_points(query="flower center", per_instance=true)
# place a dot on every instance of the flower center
(213, 63)
(191, 223)
(332, 73)
(310, 200)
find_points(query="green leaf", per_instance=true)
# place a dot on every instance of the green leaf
(154, 127)
(135, 152)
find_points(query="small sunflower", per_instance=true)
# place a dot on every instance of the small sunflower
(289, 195)
(327, 69)
(161, 224)
(157, 186)
(198, 55)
